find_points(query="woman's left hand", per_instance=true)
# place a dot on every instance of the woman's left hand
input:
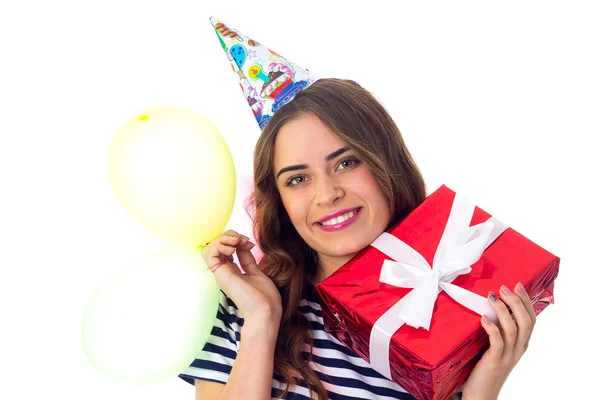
(507, 343)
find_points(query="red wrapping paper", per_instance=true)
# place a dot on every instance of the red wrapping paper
(433, 364)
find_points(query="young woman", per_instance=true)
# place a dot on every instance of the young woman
(332, 173)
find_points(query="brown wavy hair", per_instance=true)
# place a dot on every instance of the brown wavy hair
(363, 124)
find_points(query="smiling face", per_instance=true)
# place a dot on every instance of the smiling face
(319, 177)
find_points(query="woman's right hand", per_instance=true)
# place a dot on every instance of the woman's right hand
(254, 293)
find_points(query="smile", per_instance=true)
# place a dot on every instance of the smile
(341, 222)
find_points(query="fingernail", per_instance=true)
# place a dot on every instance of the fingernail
(505, 291)
(521, 289)
(486, 319)
(245, 237)
(251, 245)
(492, 296)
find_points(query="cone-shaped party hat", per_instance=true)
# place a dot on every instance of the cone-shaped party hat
(267, 79)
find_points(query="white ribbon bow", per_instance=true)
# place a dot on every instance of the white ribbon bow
(459, 248)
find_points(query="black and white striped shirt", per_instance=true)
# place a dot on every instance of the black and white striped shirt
(343, 374)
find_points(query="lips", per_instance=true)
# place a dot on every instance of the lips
(337, 214)
(339, 226)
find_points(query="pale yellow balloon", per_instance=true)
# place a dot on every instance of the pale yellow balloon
(149, 319)
(173, 171)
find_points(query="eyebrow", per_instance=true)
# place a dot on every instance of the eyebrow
(304, 166)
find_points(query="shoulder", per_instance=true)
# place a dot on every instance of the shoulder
(229, 320)
(310, 293)
(229, 310)
(215, 361)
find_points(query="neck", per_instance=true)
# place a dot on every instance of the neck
(328, 265)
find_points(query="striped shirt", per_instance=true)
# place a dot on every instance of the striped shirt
(343, 374)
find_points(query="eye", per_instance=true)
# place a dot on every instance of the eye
(348, 162)
(293, 181)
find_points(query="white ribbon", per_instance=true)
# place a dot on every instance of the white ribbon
(459, 248)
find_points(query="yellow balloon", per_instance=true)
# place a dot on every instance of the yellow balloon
(172, 170)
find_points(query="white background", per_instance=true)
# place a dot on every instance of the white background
(500, 102)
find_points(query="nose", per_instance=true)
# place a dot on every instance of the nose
(328, 192)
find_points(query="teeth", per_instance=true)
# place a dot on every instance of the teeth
(340, 219)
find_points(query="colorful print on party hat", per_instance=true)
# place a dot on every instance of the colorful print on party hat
(268, 80)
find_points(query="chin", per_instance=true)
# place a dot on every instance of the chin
(345, 250)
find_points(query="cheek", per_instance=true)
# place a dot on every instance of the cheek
(366, 184)
(296, 206)
(372, 191)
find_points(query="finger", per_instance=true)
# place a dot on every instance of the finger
(225, 250)
(243, 243)
(494, 353)
(508, 327)
(231, 237)
(246, 246)
(246, 258)
(522, 293)
(217, 253)
(233, 233)
(245, 264)
(522, 318)
(231, 240)
(223, 245)
(230, 233)
(221, 249)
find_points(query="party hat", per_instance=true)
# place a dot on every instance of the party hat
(268, 80)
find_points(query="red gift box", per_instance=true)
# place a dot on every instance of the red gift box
(434, 363)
